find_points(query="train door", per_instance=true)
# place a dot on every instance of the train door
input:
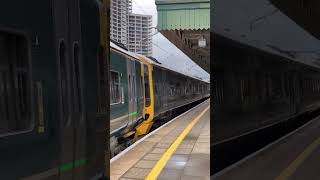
(77, 106)
(64, 91)
(148, 111)
(139, 89)
(72, 120)
(79, 116)
(72, 134)
(66, 127)
(94, 116)
(132, 97)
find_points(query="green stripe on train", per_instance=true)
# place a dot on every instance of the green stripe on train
(133, 113)
(70, 166)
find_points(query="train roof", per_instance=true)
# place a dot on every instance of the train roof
(115, 46)
(150, 60)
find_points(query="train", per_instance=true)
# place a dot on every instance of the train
(54, 60)
(63, 88)
(255, 90)
(143, 92)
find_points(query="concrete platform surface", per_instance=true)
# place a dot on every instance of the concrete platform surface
(294, 157)
(191, 159)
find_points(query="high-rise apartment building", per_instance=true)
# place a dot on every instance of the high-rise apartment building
(140, 40)
(119, 19)
(132, 30)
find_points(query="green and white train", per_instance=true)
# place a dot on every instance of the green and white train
(142, 92)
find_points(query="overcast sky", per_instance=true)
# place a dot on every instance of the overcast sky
(168, 54)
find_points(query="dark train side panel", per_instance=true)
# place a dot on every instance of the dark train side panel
(34, 150)
(254, 89)
(173, 90)
(95, 88)
(126, 105)
(53, 131)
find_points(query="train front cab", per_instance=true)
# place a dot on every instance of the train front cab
(148, 111)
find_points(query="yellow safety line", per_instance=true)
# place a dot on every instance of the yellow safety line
(166, 156)
(288, 172)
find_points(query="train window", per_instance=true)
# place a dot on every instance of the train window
(64, 82)
(163, 88)
(134, 86)
(275, 87)
(77, 71)
(146, 85)
(170, 89)
(130, 88)
(115, 96)
(313, 85)
(141, 86)
(185, 89)
(159, 88)
(173, 90)
(15, 90)
(156, 88)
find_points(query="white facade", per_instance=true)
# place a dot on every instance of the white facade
(140, 29)
(132, 30)
(119, 18)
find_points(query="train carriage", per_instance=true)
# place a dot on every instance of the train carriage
(258, 94)
(173, 89)
(126, 93)
(49, 51)
(256, 89)
(144, 92)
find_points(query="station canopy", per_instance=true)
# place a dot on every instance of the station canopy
(186, 23)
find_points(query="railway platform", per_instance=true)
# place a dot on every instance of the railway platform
(180, 149)
(293, 157)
